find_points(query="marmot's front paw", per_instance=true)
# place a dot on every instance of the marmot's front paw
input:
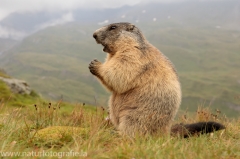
(93, 66)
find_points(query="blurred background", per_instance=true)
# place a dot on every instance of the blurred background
(49, 44)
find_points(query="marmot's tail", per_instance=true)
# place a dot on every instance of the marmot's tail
(195, 128)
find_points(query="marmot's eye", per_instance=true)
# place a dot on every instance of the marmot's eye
(112, 27)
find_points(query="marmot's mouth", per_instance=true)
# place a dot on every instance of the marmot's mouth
(105, 47)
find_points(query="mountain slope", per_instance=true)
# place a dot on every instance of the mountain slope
(55, 61)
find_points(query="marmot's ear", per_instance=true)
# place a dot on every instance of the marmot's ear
(130, 27)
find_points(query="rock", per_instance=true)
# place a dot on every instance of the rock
(17, 86)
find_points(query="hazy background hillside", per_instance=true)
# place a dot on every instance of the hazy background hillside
(52, 49)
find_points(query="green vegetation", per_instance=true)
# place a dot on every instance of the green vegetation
(55, 63)
(9, 99)
(53, 129)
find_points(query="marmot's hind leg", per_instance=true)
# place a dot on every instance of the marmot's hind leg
(132, 128)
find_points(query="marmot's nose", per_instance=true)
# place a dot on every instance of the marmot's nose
(95, 35)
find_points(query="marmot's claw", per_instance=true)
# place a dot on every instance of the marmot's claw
(93, 66)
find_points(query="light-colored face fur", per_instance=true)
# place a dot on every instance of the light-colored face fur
(118, 36)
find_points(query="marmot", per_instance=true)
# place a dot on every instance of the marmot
(146, 93)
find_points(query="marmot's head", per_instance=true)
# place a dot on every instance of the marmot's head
(119, 36)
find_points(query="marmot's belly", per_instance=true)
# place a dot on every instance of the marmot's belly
(141, 106)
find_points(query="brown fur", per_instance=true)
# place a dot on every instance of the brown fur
(146, 92)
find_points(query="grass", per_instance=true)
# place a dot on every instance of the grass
(32, 127)
(60, 128)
